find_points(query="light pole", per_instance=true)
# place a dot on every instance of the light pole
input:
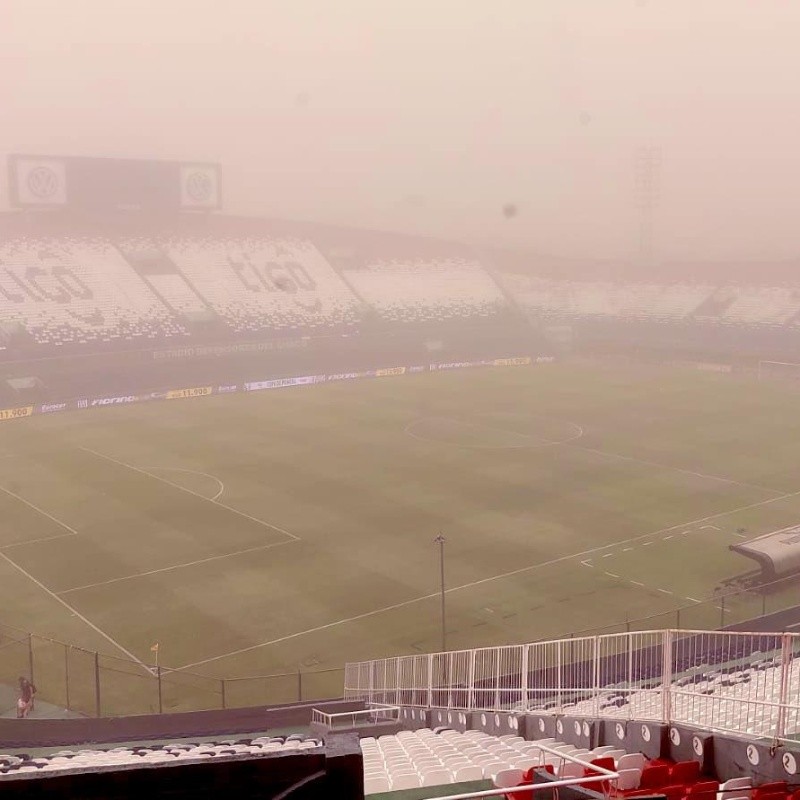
(440, 540)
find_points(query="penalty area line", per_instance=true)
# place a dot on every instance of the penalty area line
(199, 561)
(191, 492)
(70, 531)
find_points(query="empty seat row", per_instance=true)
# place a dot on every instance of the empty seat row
(12, 765)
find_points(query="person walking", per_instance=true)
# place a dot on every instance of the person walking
(27, 693)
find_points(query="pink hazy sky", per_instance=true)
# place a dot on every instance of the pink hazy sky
(429, 115)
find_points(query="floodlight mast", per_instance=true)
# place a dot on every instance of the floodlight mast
(440, 540)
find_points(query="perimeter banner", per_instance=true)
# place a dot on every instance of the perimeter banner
(304, 380)
(459, 365)
(281, 382)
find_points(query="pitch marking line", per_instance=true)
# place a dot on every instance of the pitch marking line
(38, 541)
(568, 443)
(70, 531)
(174, 567)
(490, 579)
(74, 611)
(196, 472)
(193, 493)
(659, 465)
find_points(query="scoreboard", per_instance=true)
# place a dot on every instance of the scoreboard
(101, 183)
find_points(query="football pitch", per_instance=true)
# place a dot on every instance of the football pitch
(293, 529)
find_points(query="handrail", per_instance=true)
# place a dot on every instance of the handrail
(572, 759)
(604, 775)
(528, 787)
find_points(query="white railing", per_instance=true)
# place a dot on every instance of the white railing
(744, 683)
(375, 713)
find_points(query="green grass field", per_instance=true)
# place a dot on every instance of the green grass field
(293, 529)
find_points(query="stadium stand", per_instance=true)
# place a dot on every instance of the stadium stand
(78, 291)
(63, 761)
(283, 285)
(139, 283)
(727, 304)
(418, 290)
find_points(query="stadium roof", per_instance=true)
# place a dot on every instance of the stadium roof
(778, 552)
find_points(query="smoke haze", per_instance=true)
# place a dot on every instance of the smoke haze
(437, 117)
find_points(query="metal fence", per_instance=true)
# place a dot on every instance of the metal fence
(95, 684)
(372, 715)
(744, 683)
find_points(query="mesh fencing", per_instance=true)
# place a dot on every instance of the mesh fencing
(94, 684)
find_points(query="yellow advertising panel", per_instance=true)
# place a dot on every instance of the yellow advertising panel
(16, 413)
(197, 391)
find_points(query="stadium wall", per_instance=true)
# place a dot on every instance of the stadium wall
(145, 727)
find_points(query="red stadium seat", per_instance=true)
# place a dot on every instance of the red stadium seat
(685, 772)
(769, 788)
(603, 763)
(703, 787)
(654, 777)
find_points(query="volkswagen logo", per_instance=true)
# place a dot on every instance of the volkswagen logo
(198, 186)
(42, 182)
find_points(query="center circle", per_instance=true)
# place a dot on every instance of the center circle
(499, 430)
